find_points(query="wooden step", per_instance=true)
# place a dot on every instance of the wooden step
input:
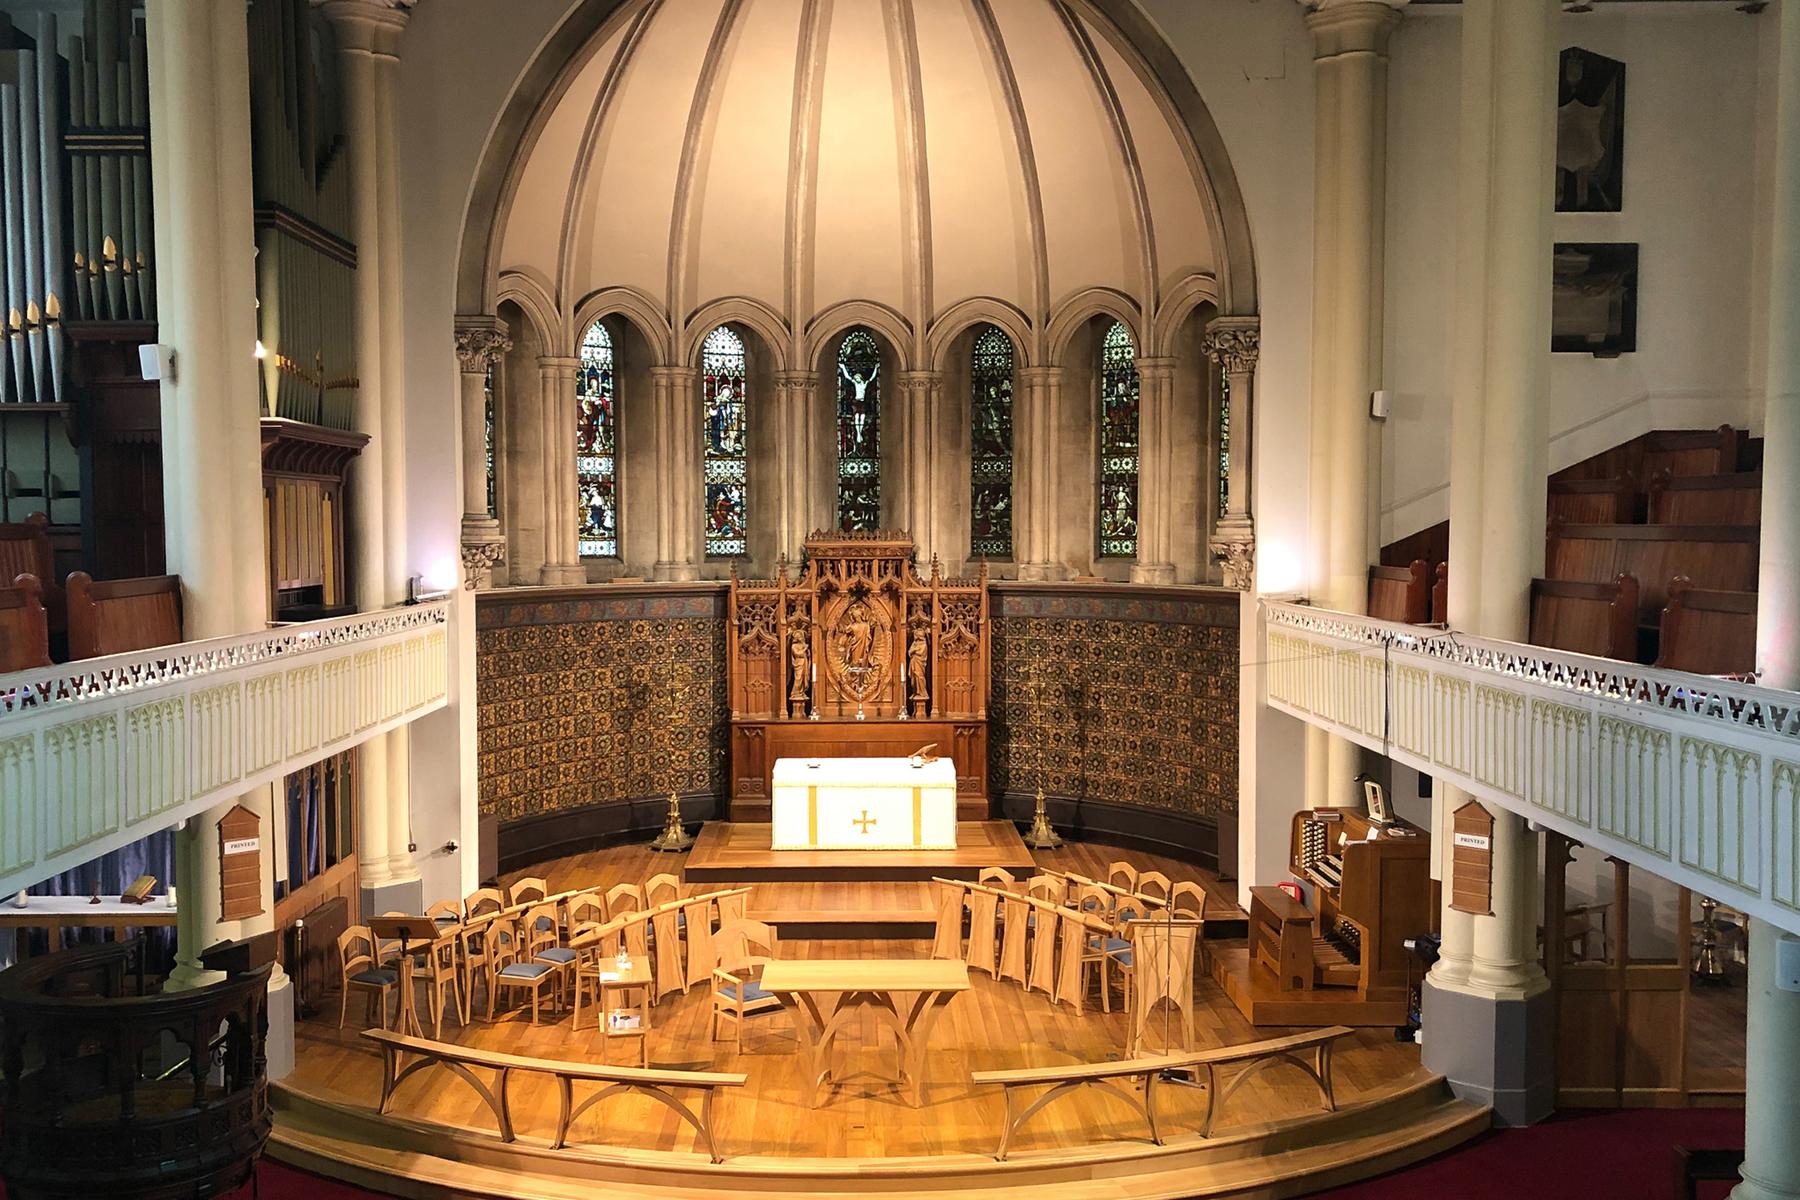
(853, 923)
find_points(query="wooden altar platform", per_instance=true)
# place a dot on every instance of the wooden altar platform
(729, 852)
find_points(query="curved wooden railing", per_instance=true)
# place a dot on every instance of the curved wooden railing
(90, 1107)
(1149, 1069)
(659, 1085)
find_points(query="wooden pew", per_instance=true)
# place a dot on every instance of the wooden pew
(1440, 596)
(1708, 632)
(1588, 618)
(121, 615)
(25, 550)
(1594, 501)
(24, 629)
(1401, 593)
(1727, 499)
(1713, 556)
(657, 1084)
(1149, 1069)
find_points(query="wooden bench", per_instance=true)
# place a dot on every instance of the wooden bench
(1151, 1068)
(120, 615)
(1706, 631)
(1713, 556)
(25, 550)
(657, 1084)
(1588, 618)
(1401, 593)
(24, 630)
(1728, 499)
(1594, 501)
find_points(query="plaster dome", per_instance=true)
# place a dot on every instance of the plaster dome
(801, 164)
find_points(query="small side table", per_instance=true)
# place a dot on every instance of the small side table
(607, 977)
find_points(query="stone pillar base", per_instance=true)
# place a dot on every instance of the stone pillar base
(562, 574)
(404, 897)
(678, 572)
(1153, 573)
(1493, 1052)
(1040, 570)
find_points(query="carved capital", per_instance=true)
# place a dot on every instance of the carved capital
(804, 381)
(1234, 342)
(480, 341)
(1236, 551)
(479, 558)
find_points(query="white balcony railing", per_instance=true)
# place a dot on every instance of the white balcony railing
(98, 753)
(1693, 778)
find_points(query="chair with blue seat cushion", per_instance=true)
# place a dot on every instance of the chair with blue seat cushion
(358, 970)
(542, 934)
(1117, 952)
(1154, 885)
(527, 891)
(509, 966)
(743, 948)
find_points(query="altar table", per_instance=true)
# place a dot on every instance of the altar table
(825, 995)
(863, 804)
(56, 913)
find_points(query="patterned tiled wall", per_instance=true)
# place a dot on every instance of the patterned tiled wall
(601, 695)
(591, 698)
(1129, 697)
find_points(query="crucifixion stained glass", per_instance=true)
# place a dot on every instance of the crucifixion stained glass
(859, 432)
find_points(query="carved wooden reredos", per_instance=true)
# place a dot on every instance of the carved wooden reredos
(859, 630)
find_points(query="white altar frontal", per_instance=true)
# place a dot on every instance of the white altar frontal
(864, 804)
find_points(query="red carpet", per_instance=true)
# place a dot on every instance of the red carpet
(1573, 1156)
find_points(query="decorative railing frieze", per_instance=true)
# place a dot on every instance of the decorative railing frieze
(1694, 778)
(96, 754)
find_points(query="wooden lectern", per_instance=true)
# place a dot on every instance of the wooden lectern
(415, 935)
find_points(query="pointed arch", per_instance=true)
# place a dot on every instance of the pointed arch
(645, 315)
(846, 314)
(940, 342)
(1083, 306)
(741, 310)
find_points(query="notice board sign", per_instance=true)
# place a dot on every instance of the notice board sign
(240, 864)
(1472, 860)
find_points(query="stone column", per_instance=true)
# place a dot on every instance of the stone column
(1771, 1167)
(481, 342)
(556, 389)
(1156, 471)
(1350, 46)
(678, 475)
(1233, 344)
(213, 504)
(1034, 514)
(921, 393)
(794, 392)
(1488, 1014)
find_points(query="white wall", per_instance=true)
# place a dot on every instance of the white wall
(1691, 172)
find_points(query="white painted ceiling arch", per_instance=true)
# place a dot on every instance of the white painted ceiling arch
(911, 155)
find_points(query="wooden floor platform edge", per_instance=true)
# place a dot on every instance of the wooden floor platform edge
(411, 1158)
(727, 852)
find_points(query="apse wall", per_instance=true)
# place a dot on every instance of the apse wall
(595, 703)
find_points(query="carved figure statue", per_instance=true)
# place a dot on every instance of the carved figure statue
(859, 630)
(800, 663)
(917, 671)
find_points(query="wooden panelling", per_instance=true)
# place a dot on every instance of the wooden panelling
(1593, 501)
(123, 614)
(1729, 499)
(1431, 544)
(1707, 631)
(1401, 593)
(1587, 618)
(304, 469)
(1677, 451)
(24, 632)
(1712, 556)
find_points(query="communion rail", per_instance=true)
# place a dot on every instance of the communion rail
(98, 753)
(1694, 778)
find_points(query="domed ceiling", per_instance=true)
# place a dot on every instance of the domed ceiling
(907, 154)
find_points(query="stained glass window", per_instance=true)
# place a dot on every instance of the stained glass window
(487, 417)
(859, 432)
(727, 446)
(1118, 444)
(596, 442)
(991, 445)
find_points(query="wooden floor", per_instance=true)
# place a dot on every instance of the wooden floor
(736, 852)
(995, 1025)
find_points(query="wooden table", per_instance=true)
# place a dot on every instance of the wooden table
(825, 995)
(635, 977)
(56, 913)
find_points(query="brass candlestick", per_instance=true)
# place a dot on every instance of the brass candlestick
(673, 837)
(1041, 836)
(1709, 964)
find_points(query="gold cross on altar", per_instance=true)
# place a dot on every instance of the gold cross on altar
(865, 821)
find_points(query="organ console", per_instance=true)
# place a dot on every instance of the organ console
(1341, 959)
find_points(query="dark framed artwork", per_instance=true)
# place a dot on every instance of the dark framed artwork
(1593, 298)
(1590, 132)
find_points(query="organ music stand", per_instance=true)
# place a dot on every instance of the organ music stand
(415, 935)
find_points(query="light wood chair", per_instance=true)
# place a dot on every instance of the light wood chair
(1153, 884)
(438, 971)
(583, 908)
(543, 943)
(1122, 875)
(481, 902)
(660, 889)
(744, 948)
(998, 877)
(527, 890)
(446, 913)
(1097, 949)
(387, 950)
(1188, 899)
(510, 967)
(472, 962)
(624, 898)
(357, 969)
